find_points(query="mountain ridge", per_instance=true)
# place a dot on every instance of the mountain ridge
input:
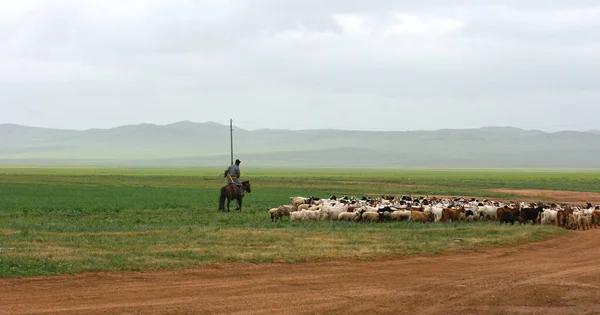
(205, 144)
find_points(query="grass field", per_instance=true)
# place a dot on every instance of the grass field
(66, 220)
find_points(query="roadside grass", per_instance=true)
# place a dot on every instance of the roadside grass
(52, 253)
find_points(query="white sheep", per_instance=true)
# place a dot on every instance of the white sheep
(400, 215)
(303, 206)
(348, 216)
(488, 212)
(437, 213)
(370, 217)
(312, 215)
(548, 217)
(333, 212)
(297, 215)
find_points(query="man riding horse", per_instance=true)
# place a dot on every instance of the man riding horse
(233, 176)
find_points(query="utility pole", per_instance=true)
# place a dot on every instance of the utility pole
(231, 137)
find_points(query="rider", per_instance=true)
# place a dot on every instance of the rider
(233, 175)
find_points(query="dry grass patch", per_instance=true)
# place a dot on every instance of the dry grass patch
(9, 232)
(120, 233)
(312, 241)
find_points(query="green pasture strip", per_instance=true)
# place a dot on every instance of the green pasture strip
(92, 208)
(42, 202)
(473, 179)
(32, 252)
(74, 219)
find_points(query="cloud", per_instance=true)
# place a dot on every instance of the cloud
(202, 60)
(423, 26)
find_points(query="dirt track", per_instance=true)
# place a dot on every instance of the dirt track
(528, 195)
(568, 197)
(559, 276)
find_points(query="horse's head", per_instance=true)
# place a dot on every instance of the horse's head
(246, 186)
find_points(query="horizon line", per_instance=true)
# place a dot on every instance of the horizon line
(299, 130)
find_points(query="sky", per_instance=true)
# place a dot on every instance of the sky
(301, 64)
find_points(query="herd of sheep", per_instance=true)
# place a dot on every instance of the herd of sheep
(425, 209)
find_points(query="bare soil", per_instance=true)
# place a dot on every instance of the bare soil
(535, 195)
(558, 276)
(568, 197)
(529, 195)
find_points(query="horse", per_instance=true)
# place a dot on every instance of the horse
(231, 191)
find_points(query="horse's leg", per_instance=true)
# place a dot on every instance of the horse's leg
(228, 202)
(240, 203)
(222, 200)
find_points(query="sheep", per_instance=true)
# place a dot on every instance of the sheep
(385, 216)
(488, 212)
(589, 210)
(370, 209)
(437, 213)
(368, 216)
(274, 212)
(421, 216)
(349, 216)
(297, 201)
(284, 211)
(281, 211)
(451, 215)
(303, 206)
(400, 215)
(470, 215)
(583, 222)
(548, 217)
(561, 218)
(333, 212)
(506, 214)
(425, 209)
(595, 219)
(297, 215)
(312, 215)
(571, 222)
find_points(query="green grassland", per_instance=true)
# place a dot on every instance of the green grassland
(77, 219)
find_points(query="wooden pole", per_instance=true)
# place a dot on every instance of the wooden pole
(231, 137)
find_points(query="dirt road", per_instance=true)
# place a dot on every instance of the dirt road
(559, 276)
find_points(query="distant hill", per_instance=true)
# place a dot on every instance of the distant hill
(207, 144)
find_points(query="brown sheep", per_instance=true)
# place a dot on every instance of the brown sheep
(595, 218)
(300, 201)
(583, 222)
(451, 215)
(274, 212)
(303, 206)
(561, 217)
(422, 217)
(506, 214)
(571, 222)
(282, 211)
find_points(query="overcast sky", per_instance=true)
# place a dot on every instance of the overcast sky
(301, 64)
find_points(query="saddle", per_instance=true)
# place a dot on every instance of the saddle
(237, 191)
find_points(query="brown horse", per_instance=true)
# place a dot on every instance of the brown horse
(231, 191)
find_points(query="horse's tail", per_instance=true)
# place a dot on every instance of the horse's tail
(222, 199)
